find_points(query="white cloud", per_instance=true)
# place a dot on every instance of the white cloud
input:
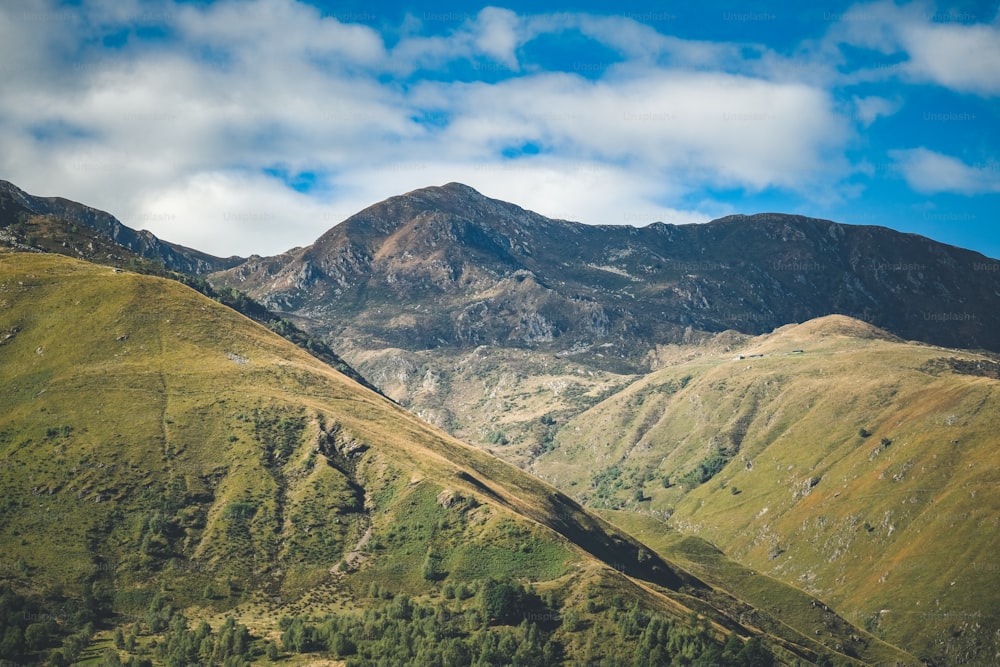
(869, 109)
(703, 127)
(930, 172)
(264, 31)
(493, 35)
(232, 213)
(497, 35)
(187, 126)
(959, 52)
(965, 58)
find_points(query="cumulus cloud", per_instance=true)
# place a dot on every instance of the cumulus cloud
(497, 35)
(930, 172)
(186, 135)
(724, 129)
(960, 51)
(232, 213)
(965, 58)
(263, 31)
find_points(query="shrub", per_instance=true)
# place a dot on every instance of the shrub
(502, 601)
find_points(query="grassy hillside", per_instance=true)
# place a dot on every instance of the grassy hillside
(828, 455)
(507, 400)
(22, 230)
(162, 454)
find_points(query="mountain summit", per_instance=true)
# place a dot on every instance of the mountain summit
(447, 266)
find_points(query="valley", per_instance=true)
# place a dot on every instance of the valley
(236, 476)
(634, 369)
(648, 464)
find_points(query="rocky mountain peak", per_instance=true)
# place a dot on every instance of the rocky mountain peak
(452, 190)
(435, 267)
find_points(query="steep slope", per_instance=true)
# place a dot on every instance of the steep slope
(142, 243)
(497, 324)
(829, 455)
(22, 230)
(446, 266)
(181, 448)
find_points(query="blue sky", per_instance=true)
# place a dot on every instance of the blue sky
(253, 126)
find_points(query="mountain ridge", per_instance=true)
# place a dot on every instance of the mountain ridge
(142, 242)
(830, 455)
(528, 339)
(573, 284)
(25, 230)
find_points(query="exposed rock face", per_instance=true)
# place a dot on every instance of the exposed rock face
(446, 266)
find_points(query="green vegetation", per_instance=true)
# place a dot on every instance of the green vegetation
(851, 470)
(29, 627)
(156, 475)
(766, 603)
(181, 645)
(510, 625)
(704, 471)
(54, 235)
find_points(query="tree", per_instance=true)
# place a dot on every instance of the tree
(401, 608)
(342, 645)
(272, 651)
(12, 642)
(36, 636)
(109, 658)
(571, 620)
(502, 601)
(754, 654)
(430, 569)
(733, 646)
(158, 614)
(454, 653)
(130, 641)
(241, 640)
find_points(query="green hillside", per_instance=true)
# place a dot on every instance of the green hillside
(828, 455)
(22, 230)
(182, 485)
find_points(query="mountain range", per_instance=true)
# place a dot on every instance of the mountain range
(816, 400)
(165, 459)
(446, 266)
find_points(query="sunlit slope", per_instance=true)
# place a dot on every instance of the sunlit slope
(851, 464)
(124, 391)
(154, 440)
